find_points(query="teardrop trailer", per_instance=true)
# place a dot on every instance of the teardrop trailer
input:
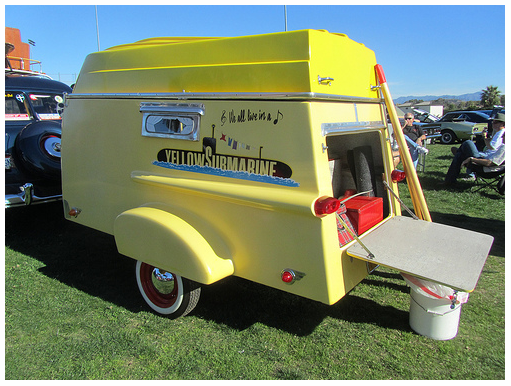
(211, 157)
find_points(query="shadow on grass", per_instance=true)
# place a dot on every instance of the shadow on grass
(448, 157)
(73, 254)
(239, 304)
(495, 228)
(387, 284)
(432, 180)
(88, 260)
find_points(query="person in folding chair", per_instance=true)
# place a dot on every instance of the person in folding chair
(490, 172)
(468, 155)
(414, 135)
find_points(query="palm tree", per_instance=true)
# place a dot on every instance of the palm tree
(490, 97)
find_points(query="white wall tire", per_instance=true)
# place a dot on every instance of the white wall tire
(165, 292)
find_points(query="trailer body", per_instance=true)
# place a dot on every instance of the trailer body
(211, 157)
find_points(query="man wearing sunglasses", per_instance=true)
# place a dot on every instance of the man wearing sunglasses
(414, 136)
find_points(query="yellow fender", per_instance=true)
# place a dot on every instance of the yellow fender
(166, 241)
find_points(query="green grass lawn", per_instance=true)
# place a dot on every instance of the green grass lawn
(73, 311)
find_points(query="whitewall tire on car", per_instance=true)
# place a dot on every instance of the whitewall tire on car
(165, 292)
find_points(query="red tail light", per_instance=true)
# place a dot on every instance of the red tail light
(326, 205)
(287, 276)
(397, 175)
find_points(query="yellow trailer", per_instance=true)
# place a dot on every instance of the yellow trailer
(211, 157)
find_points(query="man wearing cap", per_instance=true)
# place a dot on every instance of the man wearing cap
(495, 140)
(467, 154)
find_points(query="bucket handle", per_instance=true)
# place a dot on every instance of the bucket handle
(453, 308)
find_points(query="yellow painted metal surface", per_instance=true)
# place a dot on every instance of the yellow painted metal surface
(279, 62)
(219, 202)
(164, 233)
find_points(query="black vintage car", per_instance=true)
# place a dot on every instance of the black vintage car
(33, 107)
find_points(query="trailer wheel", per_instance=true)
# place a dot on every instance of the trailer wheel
(165, 292)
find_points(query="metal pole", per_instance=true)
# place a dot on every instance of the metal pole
(97, 26)
(285, 16)
(416, 193)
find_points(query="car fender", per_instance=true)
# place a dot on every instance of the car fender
(452, 128)
(461, 129)
(166, 241)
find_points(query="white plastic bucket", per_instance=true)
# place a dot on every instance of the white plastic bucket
(433, 318)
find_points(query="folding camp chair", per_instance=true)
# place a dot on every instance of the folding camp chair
(491, 176)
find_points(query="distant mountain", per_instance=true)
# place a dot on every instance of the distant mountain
(475, 96)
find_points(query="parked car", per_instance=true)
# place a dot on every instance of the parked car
(460, 125)
(33, 108)
(425, 117)
(492, 113)
(466, 116)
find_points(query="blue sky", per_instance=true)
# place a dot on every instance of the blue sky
(424, 49)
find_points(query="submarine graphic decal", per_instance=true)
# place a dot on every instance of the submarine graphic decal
(209, 162)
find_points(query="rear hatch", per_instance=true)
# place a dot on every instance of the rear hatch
(451, 256)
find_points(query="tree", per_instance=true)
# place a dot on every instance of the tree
(490, 97)
(471, 105)
(450, 106)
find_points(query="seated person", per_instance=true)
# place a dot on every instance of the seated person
(497, 159)
(468, 150)
(414, 135)
(469, 157)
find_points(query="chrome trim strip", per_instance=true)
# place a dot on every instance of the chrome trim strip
(14, 200)
(343, 127)
(227, 95)
(163, 108)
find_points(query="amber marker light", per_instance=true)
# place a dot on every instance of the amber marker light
(74, 212)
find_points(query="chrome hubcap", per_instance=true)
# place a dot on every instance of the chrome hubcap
(163, 281)
(52, 146)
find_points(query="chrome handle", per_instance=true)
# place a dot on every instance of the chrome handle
(326, 80)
